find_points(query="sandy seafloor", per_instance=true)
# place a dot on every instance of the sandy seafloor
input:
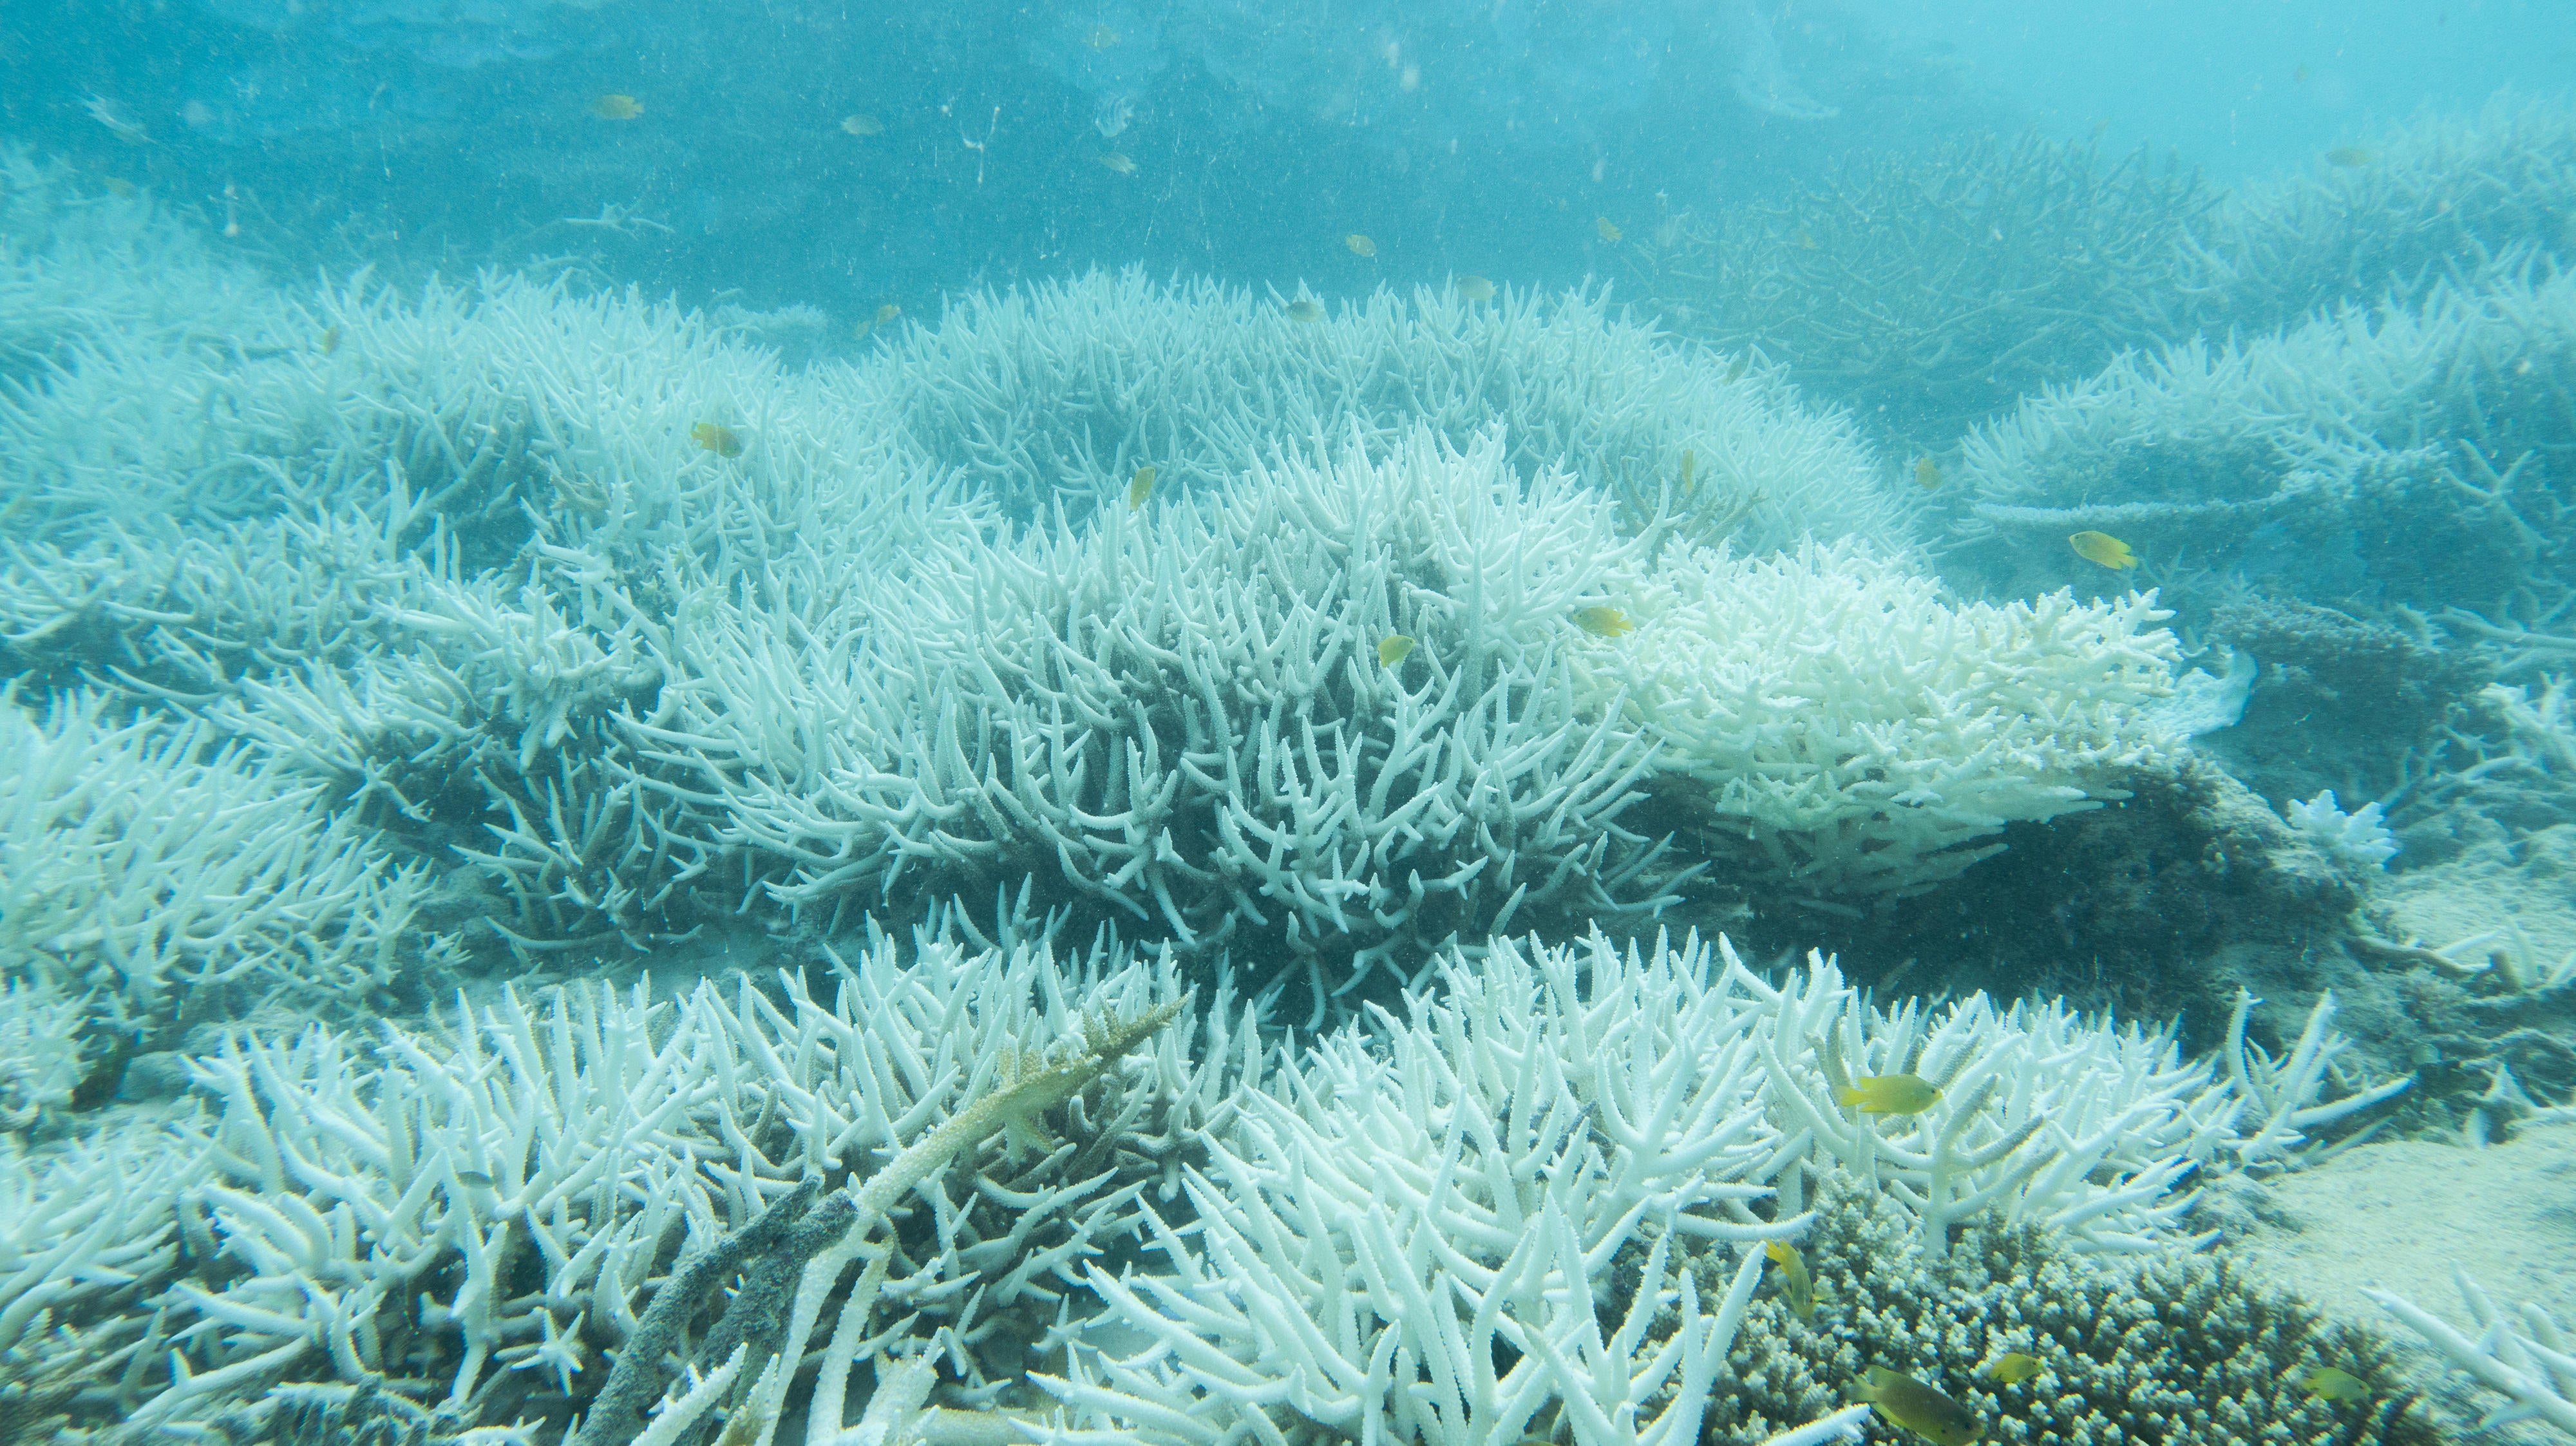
(2401, 1216)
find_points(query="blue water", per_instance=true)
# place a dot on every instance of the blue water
(1479, 138)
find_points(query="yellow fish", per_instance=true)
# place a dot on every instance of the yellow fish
(119, 187)
(1360, 245)
(1603, 622)
(1117, 161)
(1889, 1094)
(617, 107)
(1305, 309)
(1743, 359)
(2349, 156)
(2299, 76)
(1690, 461)
(1796, 1284)
(2013, 1367)
(1806, 241)
(2103, 548)
(1475, 288)
(1393, 650)
(716, 438)
(330, 340)
(862, 125)
(1102, 37)
(2329, 1384)
(1927, 474)
(1916, 1407)
(1140, 487)
(1608, 232)
(887, 313)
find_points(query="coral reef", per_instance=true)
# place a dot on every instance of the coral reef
(1850, 734)
(1926, 290)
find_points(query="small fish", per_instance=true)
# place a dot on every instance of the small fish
(617, 107)
(1305, 309)
(1889, 1094)
(330, 340)
(716, 438)
(1690, 463)
(1796, 1284)
(1393, 650)
(119, 187)
(474, 1179)
(1475, 288)
(863, 125)
(1140, 487)
(2327, 1383)
(1360, 245)
(2103, 548)
(2013, 1367)
(1927, 474)
(1609, 232)
(1916, 1407)
(104, 111)
(1806, 241)
(1117, 161)
(1102, 37)
(887, 313)
(2349, 156)
(1743, 359)
(1603, 622)
(2299, 76)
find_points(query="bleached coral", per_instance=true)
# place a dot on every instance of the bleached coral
(140, 860)
(2360, 837)
(1059, 392)
(1851, 731)
(2434, 195)
(1421, 1233)
(2528, 1360)
(2393, 453)
(373, 1213)
(1181, 717)
(77, 264)
(40, 1050)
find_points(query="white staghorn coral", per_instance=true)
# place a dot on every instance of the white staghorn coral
(1398, 1210)
(379, 1209)
(2396, 451)
(1063, 390)
(1854, 733)
(140, 859)
(1389, 1220)
(1544, 1157)
(40, 1045)
(1183, 718)
(2529, 1362)
(2042, 1116)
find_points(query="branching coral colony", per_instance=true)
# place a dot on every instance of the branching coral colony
(1055, 1198)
